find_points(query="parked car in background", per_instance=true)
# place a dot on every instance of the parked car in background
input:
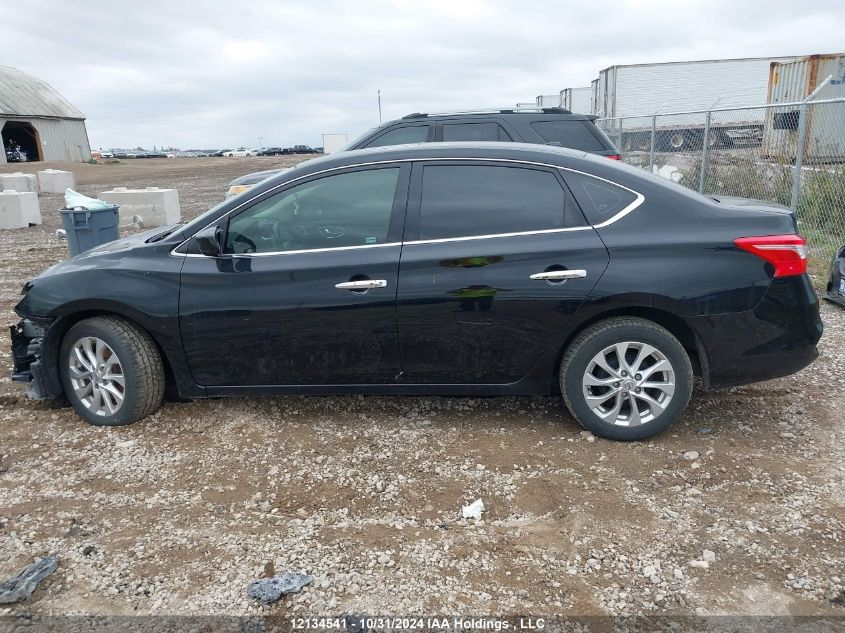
(271, 151)
(220, 152)
(836, 281)
(239, 185)
(300, 149)
(545, 126)
(459, 268)
(550, 126)
(240, 152)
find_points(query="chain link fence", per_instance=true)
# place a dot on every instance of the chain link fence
(792, 154)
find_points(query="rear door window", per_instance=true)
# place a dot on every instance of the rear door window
(598, 199)
(467, 200)
(474, 132)
(572, 134)
(401, 136)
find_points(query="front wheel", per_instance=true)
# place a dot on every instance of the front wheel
(626, 378)
(111, 371)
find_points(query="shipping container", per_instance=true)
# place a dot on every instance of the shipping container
(548, 101)
(643, 90)
(333, 142)
(794, 81)
(577, 99)
(594, 95)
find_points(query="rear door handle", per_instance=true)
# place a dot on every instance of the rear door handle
(362, 284)
(560, 275)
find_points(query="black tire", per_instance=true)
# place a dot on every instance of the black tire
(605, 333)
(142, 369)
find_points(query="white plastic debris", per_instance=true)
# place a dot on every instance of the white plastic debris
(75, 200)
(668, 172)
(473, 510)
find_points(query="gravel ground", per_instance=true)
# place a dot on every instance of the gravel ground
(738, 509)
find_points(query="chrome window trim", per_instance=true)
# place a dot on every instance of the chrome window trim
(301, 251)
(464, 238)
(640, 198)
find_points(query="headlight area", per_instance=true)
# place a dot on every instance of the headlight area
(28, 338)
(236, 189)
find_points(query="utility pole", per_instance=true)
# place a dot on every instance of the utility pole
(260, 142)
(379, 106)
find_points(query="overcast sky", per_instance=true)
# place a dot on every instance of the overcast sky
(221, 74)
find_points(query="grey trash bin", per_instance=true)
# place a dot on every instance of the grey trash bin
(89, 228)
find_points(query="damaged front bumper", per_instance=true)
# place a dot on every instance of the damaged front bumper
(28, 337)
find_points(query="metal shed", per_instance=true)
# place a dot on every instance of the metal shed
(38, 119)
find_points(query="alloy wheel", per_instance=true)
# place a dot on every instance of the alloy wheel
(96, 376)
(629, 383)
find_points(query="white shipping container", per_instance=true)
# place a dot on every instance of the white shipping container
(594, 96)
(825, 128)
(643, 90)
(577, 100)
(548, 101)
(333, 142)
(646, 89)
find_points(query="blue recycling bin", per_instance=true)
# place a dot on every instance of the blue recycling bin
(89, 228)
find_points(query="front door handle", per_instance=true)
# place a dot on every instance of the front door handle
(362, 284)
(559, 275)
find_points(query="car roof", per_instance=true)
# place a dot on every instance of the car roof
(257, 176)
(481, 150)
(511, 116)
(454, 149)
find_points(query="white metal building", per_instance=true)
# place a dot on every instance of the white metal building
(40, 120)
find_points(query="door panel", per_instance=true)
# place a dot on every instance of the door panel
(306, 295)
(468, 311)
(279, 320)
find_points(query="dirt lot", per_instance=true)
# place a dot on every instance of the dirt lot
(740, 509)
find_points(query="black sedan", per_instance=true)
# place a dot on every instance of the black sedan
(453, 268)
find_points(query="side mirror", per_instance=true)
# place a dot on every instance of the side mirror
(208, 241)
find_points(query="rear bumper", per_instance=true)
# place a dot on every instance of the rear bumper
(775, 339)
(29, 347)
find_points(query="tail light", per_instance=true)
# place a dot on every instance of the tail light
(615, 157)
(787, 253)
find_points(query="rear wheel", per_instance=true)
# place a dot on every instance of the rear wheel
(111, 371)
(626, 378)
(678, 141)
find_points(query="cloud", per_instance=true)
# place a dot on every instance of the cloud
(214, 73)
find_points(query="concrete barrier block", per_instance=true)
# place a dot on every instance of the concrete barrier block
(157, 207)
(18, 182)
(19, 209)
(55, 181)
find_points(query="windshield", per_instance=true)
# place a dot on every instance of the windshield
(348, 146)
